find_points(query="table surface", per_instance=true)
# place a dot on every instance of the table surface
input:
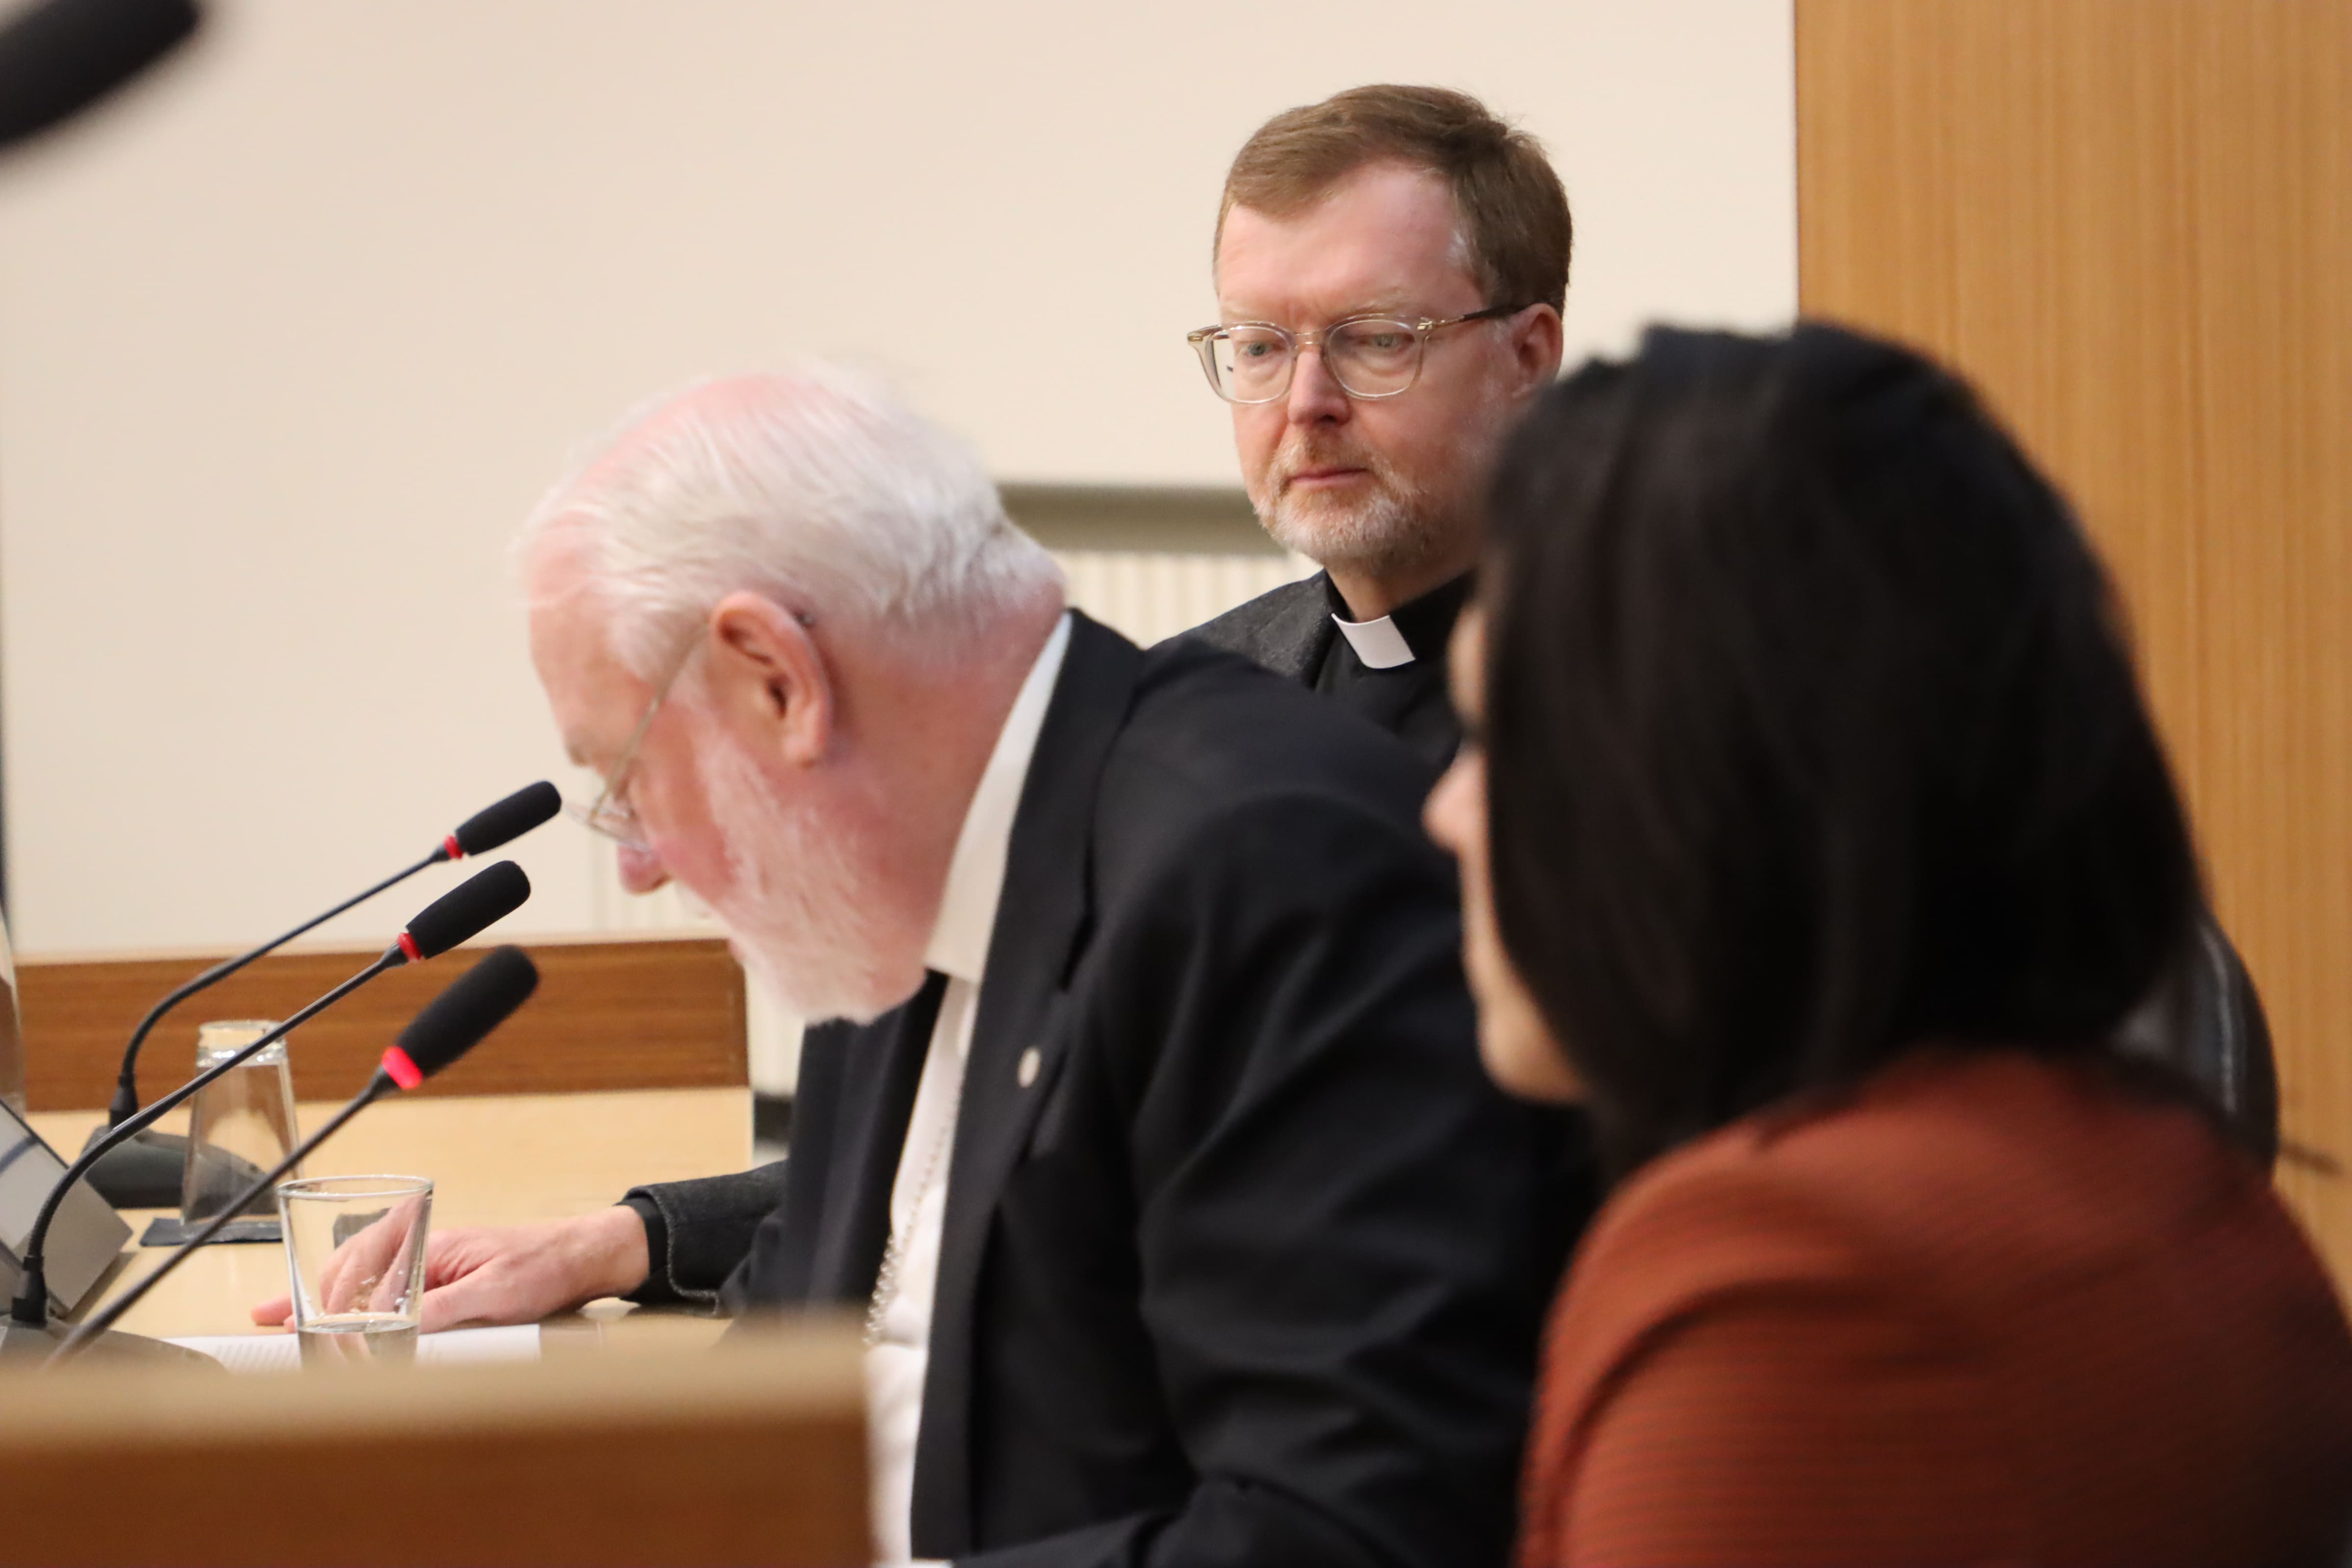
(493, 1158)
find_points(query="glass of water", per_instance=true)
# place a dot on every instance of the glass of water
(355, 1261)
(240, 1124)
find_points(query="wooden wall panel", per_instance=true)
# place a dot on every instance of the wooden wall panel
(2130, 223)
(647, 1013)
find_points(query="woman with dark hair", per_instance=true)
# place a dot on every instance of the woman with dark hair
(1815, 836)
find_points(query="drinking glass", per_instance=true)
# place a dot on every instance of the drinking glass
(356, 1262)
(240, 1124)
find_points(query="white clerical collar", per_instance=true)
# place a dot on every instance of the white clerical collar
(958, 945)
(1377, 643)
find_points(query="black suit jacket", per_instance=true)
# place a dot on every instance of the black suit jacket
(2203, 1018)
(1249, 1269)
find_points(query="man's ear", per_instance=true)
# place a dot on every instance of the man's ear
(767, 675)
(1536, 338)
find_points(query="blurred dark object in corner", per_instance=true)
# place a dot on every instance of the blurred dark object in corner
(59, 57)
(2204, 1019)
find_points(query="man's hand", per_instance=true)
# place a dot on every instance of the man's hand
(508, 1274)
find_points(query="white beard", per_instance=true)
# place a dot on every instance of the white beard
(796, 917)
(1395, 527)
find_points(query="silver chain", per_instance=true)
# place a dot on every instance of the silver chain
(894, 1251)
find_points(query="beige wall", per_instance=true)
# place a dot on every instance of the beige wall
(289, 342)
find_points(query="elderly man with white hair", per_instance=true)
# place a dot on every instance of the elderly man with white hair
(1150, 1136)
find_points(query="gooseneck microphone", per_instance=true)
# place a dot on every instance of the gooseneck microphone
(502, 822)
(465, 911)
(59, 57)
(451, 1024)
(485, 830)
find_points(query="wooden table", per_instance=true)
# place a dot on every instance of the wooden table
(493, 1158)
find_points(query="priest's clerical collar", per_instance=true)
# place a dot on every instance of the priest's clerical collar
(1414, 630)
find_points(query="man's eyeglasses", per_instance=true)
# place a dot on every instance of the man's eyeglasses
(610, 813)
(1369, 356)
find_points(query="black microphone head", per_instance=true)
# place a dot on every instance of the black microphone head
(506, 820)
(457, 1021)
(465, 911)
(60, 56)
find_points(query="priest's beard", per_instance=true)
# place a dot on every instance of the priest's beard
(800, 915)
(1393, 527)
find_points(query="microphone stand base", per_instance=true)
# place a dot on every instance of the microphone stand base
(147, 1169)
(143, 1173)
(21, 1345)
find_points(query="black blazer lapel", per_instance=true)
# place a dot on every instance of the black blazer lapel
(881, 1068)
(1041, 921)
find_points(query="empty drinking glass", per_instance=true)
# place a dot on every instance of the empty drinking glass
(239, 1125)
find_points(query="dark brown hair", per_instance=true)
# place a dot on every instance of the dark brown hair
(1514, 210)
(1812, 736)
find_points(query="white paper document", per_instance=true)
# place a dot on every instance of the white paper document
(456, 1347)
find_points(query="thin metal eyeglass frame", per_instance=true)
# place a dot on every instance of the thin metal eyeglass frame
(1203, 340)
(605, 814)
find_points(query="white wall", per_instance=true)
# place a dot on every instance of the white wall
(289, 342)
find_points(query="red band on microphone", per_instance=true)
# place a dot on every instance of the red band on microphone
(451, 845)
(400, 1070)
(408, 947)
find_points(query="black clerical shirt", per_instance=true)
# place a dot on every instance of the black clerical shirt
(1409, 701)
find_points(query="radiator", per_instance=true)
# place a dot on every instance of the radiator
(1153, 594)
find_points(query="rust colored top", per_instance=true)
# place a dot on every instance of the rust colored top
(1988, 1308)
